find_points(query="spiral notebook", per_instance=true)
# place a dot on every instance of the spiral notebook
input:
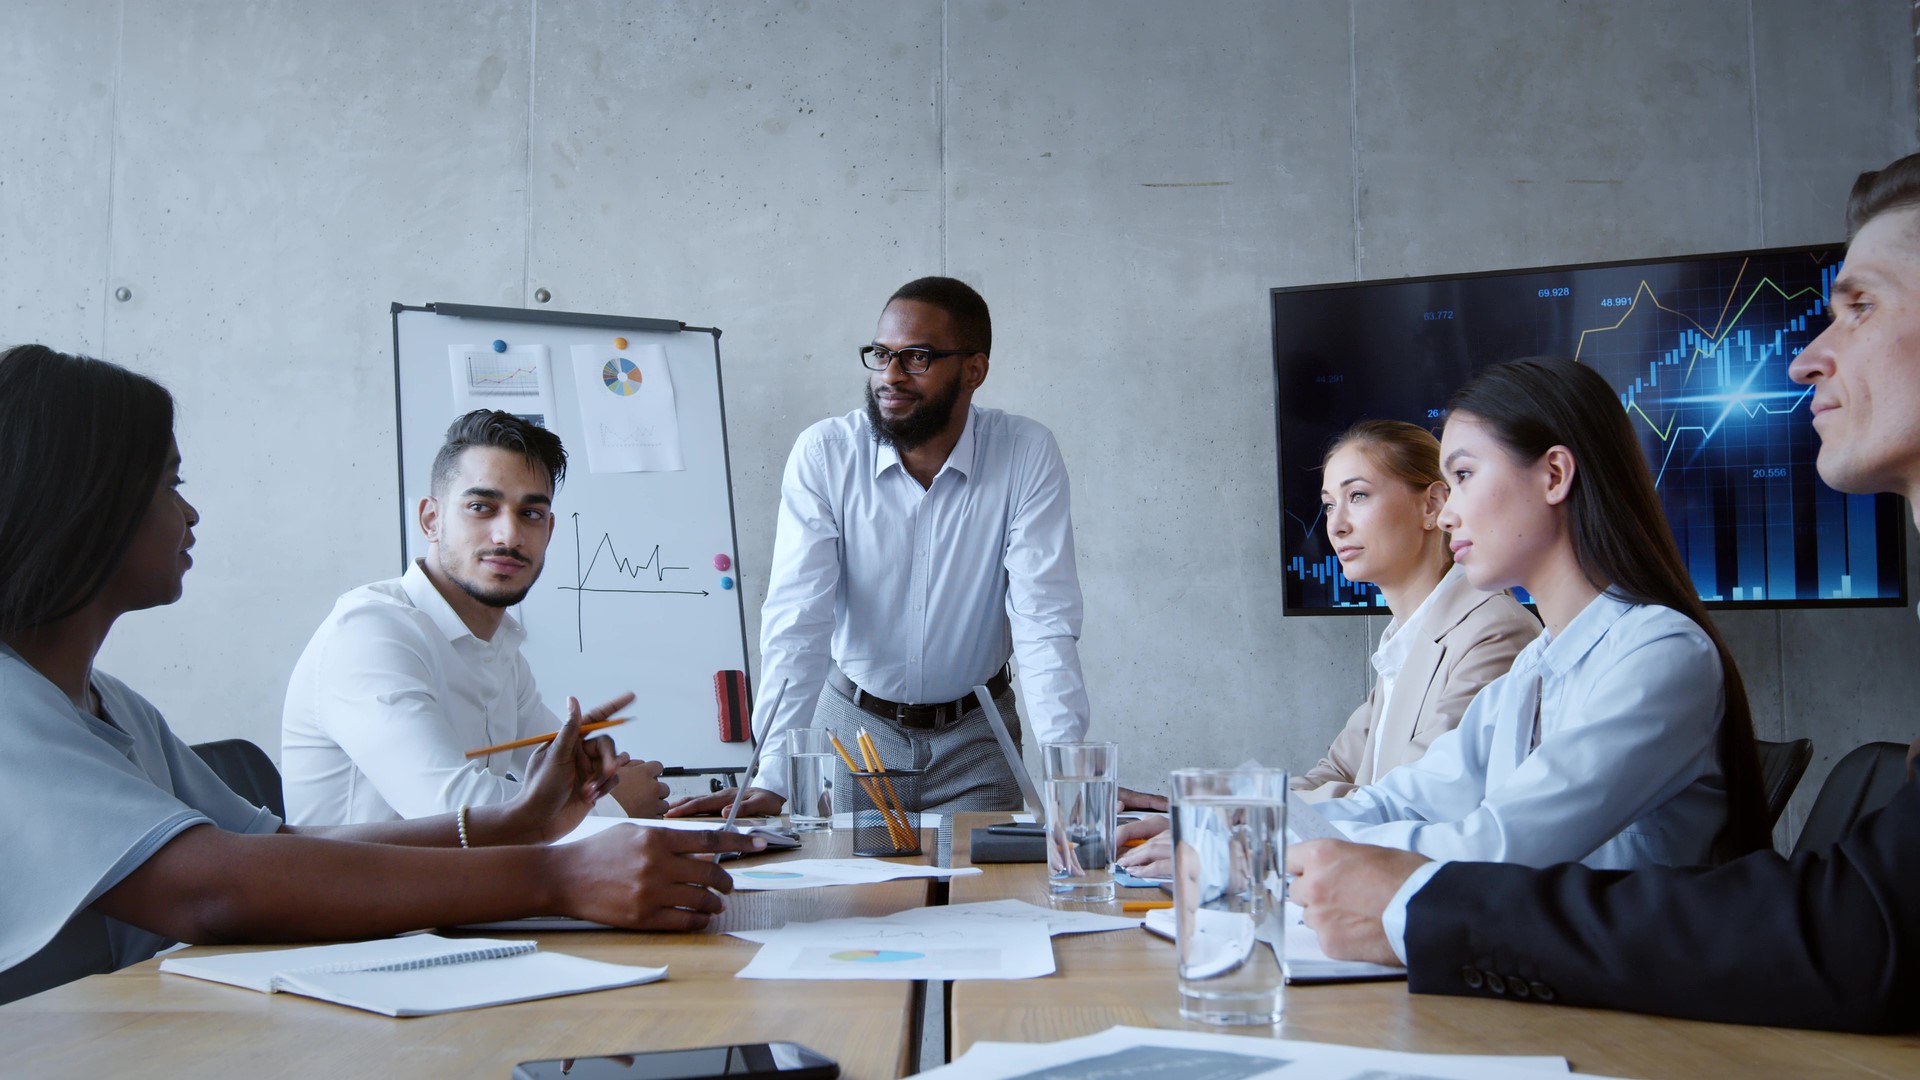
(418, 975)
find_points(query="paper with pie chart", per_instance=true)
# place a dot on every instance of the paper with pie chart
(626, 408)
(890, 948)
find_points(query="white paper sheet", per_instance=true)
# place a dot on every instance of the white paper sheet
(816, 873)
(891, 948)
(626, 408)
(986, 916)
(594, 826)
(1304, 822)
(1303, 959)
(1152, 1054)
(1057, 921)
(517, 381)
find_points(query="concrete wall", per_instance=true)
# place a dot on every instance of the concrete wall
(1123, 180)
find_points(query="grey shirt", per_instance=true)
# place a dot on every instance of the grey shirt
(86, 803)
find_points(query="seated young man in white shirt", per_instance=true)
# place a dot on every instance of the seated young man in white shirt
(406, 675)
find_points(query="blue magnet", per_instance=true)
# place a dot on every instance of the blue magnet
(499, 346)
(726, 583)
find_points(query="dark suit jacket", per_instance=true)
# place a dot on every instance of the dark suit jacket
(1818, 942)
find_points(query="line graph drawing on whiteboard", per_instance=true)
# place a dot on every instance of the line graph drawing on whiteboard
(616, 564)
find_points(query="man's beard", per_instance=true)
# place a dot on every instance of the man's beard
(922, 424)
(493, 599)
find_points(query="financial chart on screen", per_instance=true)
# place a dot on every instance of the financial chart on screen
(1697, 349)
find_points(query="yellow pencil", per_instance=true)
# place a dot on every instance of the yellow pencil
(1145, 905)
(537, 740)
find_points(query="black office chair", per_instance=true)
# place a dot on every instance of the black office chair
(1782, 764)
(1863, 781)
(247, 770)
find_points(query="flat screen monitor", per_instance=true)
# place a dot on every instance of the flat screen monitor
(1696, 346)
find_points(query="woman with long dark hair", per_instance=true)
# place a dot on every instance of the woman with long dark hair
(120, 841)
(1621, 737)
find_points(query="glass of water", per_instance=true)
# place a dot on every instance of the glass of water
(1229, 862)
(1082, 800)
(809, 779)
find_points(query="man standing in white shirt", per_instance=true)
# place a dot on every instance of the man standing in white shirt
(406, 675)
(922, 541)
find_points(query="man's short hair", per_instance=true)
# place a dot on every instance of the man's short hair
(955, 297)
(499, 431)
(1896, 187)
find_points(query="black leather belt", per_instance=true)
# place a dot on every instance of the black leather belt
(917, 717)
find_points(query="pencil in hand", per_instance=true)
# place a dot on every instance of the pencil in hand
(542, 740)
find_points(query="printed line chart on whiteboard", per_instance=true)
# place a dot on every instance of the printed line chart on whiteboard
(619, 574)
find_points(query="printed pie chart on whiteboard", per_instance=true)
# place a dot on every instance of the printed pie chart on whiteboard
(622, 376)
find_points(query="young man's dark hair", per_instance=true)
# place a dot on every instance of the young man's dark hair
(500, 431)
(966, 307)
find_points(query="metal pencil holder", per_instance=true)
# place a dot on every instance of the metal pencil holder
(886, 811)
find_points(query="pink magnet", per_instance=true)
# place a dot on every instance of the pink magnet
(721, 562)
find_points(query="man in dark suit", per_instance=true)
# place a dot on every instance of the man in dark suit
(1825, 941)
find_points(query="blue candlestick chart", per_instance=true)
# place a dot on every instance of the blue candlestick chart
(1698, 350)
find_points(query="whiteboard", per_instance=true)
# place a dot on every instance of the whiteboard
(630, 597)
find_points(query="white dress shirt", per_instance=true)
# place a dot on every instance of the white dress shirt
(1627, 701)
(1396, 641)
(390, 694)
(920, 594)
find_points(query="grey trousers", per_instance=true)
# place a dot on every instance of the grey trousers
(965, 768)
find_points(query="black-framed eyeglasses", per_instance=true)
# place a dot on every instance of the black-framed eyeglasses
(912, 361)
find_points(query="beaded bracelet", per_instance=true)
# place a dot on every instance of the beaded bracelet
(462, 819)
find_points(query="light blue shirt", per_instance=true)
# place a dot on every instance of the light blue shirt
(920, 594)
(1624, 772)
(87, 802)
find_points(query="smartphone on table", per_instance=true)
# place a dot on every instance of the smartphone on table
(785, 1060)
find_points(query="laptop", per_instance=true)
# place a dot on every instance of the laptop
(1012, 753)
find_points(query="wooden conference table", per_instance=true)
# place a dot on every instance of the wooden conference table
(138, 1022)
(1127, 977)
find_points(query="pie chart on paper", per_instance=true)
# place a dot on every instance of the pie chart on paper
(622, 376)
(875, 956)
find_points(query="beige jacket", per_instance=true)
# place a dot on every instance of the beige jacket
(1466, 643)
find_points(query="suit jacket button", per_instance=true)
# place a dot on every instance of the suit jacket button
(1542, 991)
(1517, 986)
(1472, 977)
(1495, 983)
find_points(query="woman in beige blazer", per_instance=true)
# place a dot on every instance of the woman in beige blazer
(1382, 496)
